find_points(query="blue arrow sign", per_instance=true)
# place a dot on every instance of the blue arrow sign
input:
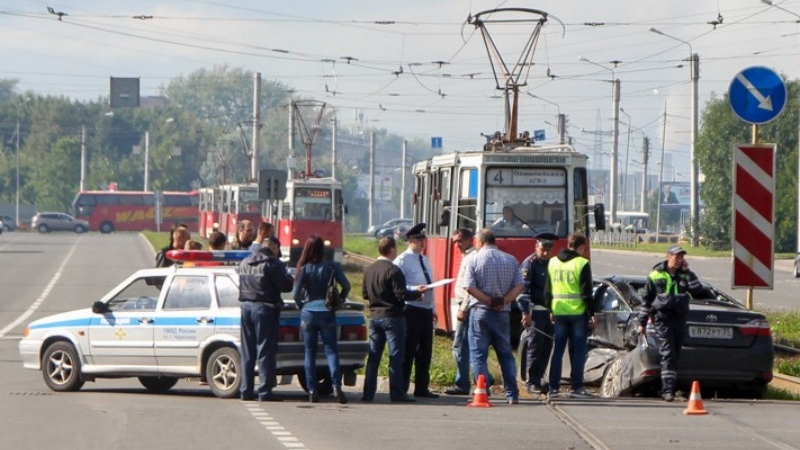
(539, 135)
(757, 95)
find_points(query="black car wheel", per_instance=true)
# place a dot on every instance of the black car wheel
(158, 384)
(106, 227)
(80, 229)
(796, 270)
(61, 367)
(43, 228)
(223, 372)
(522, 355)
(324, 384)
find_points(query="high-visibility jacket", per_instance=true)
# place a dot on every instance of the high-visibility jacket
(565, 284)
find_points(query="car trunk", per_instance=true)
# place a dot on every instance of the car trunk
(711, 325)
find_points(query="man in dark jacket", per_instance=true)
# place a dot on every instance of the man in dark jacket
(666, 302)
(535, 315)
(384, 287)
(568, 292)
(262, 278)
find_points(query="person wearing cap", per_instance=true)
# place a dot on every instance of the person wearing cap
(535, 315)
(419, 315)
(670, 286)
(492, 279)
(568, 293)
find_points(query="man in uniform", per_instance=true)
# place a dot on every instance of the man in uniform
(419, 315)
(534, 312)
(262, 278)
(568, 292)
(462, 237)
(666, 303)
(492, 278)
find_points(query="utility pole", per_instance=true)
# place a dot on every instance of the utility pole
(403, 181)
(83, 158)
(334, 133)
(562, 128)
(146, 160)
(646, 150)
(661, 175)
(16, 218)
(694, 185)
(256, 125)
(371, 178)
(615, 149)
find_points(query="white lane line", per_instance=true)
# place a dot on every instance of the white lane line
(43, 296)
(275, 428)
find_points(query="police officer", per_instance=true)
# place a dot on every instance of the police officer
(666, 303)
(534, 312)
(568, 292)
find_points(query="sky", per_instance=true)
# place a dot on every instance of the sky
(417, 68)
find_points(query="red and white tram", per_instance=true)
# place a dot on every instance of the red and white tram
(238, 202)
(542, 188)
(210, 205)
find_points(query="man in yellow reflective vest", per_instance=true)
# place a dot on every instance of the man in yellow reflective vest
(568, 292)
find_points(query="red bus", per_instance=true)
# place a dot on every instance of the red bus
(543, 189)
(109, 211)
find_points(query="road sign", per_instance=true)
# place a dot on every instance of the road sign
(753, 218)
(757, 95)
(436, 142)
(539, 135)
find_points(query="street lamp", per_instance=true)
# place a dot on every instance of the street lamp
(770, 3)
(561, 121)
(627, 151)
(615, 137)
(694, 208)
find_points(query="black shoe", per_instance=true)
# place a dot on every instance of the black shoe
(404, 399)
(455, 390)
(269, 398)
(366, 399)
(313, 397)
(534, 389)
(339, 394)
(426, 394)
(248, 398)
(669, 397)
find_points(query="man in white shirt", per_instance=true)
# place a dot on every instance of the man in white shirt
(419, 315)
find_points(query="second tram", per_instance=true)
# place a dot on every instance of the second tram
(518, 191)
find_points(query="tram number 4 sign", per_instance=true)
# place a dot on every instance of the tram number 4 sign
(754, 216)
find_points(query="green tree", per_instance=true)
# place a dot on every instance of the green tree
(720, 131)
(54, 179)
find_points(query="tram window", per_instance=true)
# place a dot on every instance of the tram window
(526, 201)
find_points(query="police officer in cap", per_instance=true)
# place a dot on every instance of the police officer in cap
(535, 315)
(670, 286)
(419, 315)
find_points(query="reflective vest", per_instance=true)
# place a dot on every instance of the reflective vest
(565, 284)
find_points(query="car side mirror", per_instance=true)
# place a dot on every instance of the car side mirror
(100, 308)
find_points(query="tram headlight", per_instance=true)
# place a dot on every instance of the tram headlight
(295, 242)
(327, 243)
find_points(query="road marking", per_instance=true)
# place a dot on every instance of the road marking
(275, 429)
(43, 296)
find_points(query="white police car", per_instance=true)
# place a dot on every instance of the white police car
(164, 324)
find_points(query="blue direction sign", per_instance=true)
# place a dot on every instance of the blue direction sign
(436, 142)
(539, 135)
(757, 95)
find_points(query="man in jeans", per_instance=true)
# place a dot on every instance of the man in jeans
(568, 292)
(493, 280)
(462, 237)
(384, 287)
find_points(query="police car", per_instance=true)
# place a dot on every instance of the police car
(160, 325)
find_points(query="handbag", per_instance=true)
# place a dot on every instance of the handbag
(333, 298)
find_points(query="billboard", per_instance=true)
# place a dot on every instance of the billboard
(675, 193)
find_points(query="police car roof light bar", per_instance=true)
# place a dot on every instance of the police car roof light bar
(208, 255)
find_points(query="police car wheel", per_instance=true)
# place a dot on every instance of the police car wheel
(158, 384)
(223, 372)
(324, 384)
(61, 368)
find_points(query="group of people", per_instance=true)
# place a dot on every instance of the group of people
(554, 294)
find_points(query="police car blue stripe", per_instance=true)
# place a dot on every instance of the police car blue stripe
(62, 323)
(181, 321)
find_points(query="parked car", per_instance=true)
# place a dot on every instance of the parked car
(45, 222)
(193, 328)
(388, 228)
(7, 223)
(797, 266)
(727, 347)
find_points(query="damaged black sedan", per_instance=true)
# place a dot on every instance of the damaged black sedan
(727, 348)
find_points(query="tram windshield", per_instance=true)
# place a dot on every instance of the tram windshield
(248, 201)
(526, 201)
(312, 203)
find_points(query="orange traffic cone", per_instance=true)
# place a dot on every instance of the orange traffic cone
(695, 406)
(480, 398)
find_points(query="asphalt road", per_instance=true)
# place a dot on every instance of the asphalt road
(45, 274)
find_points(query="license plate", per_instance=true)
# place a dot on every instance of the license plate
(711, 332)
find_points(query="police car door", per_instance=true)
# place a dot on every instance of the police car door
(184, 322)
(123, 336)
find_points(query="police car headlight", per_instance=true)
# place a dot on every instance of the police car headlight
(295, 242)
(327, 243)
